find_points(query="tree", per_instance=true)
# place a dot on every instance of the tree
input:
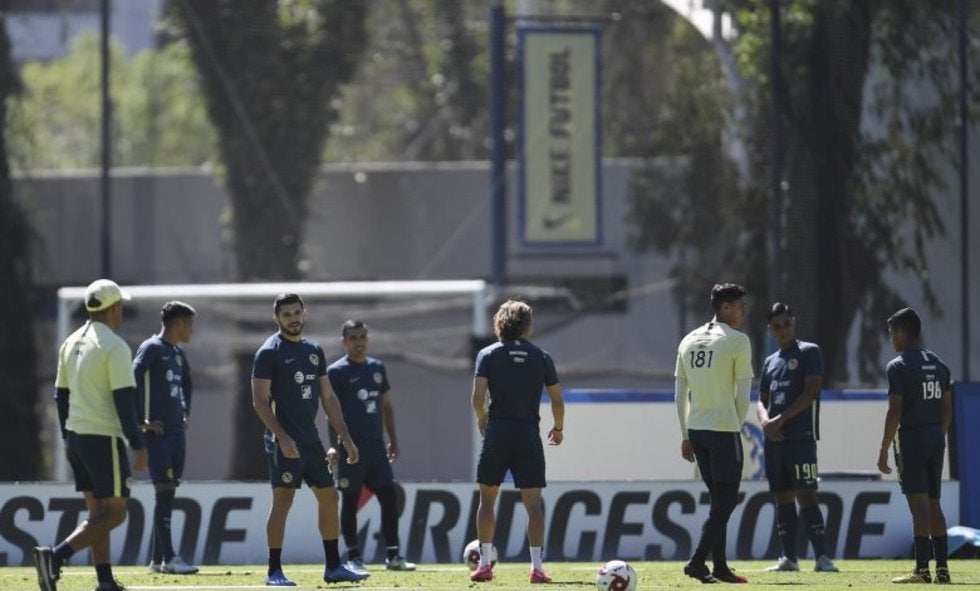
(863, 162)
(270, 71)
(158, 112)
(18, 354)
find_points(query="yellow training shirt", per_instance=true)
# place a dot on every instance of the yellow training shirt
(713, 358)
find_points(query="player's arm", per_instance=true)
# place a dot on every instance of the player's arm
(120, 373)
(892, 419)
(186, 387)
(61, 393)
(478, 399)
(388, 417)
(683, 404)
(743, 378)
(262, 403)
(762, 406)
(556, 434)
(143, 362)
(335, 414)
(811, 390)
(947, 409)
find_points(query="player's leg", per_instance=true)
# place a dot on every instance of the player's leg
(381, 480)
(914, 482)
(804, 474)
(285, 476)
(727, 476)
(316, 473)
(350, 479)
(781, 487)
(495, 455)
(528, 468)
(166, 470)
(937, 520)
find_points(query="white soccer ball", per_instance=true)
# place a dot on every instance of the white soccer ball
(471, 555)
(616, 575)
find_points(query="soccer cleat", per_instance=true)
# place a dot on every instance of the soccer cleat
(177, 566)
(916, 576)
(539, 576)
(110, 586)
(278, 579)
(784, 565)
(47, 567)
(399, 563)
(728, 576)
(342, 574)
(942, 575)
(825, 565)
(699, 572)
(357, 565)
(482, 574)
(154, 566)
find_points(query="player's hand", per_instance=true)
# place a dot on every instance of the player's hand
(687, 450)
(481, 423)
(288, 447)
(139, 460)
(392, 452)
(153, 427)
(555, 437)
(187, 419)
(883, 466)
(332, 457)
(352, 454)
(773, 428)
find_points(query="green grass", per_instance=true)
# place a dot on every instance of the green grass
(854, 575)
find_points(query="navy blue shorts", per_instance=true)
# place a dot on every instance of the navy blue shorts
(514, 446)
(719, 455)
(920, 460)
(372, 469)
(100, 464)
(310, 467)
(165, 456)
(791, 465)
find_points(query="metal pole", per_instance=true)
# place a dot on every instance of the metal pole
(498, 152)
(105, 245)
(775, 199)
(964, 196)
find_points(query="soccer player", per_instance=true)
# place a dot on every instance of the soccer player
(513, 372)
(789, 412)
(713, 376)
(96, 398)
(289, 379)
(361, 385)
(164, 390)
(920, 408)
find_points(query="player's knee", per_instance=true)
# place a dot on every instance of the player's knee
(806, 498)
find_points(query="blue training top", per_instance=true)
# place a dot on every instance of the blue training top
(294, 368)
(163, 383)
(359, 387)
(921, 378)
(517, 371)
(783, 376)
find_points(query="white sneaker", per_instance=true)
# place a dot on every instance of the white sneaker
(154, 566)
(784, 565)
(398, 563)
(177, 566)
(357, 565)
(825, 565)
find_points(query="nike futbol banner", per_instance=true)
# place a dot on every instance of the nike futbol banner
(224, 522)
(559, 139)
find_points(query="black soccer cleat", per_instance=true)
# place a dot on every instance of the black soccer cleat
(48, 569)
(700, 572)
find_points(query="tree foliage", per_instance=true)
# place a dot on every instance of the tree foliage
(270, 73)
(158, 113)
(868, 117)
(18, 353)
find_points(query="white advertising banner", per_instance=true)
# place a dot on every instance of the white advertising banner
(224, 523)
(559, 136)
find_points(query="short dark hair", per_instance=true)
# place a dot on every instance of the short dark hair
(778, 309)
(351, 325)
(725, 293)
(906, 319)
(284, 299)
(175, 309)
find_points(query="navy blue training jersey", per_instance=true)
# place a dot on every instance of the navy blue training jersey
(163, 383)
(517, 372)
(359, 387)
(294, 368)
(783, 376)
(921, 378)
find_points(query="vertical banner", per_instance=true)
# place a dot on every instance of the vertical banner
(560, 136)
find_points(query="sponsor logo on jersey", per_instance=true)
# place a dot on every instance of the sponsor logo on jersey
(299, 377)
(362, 394)
(170, 375)
(377, 377)
(307, 391)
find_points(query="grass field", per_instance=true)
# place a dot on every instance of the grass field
(854, 575)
